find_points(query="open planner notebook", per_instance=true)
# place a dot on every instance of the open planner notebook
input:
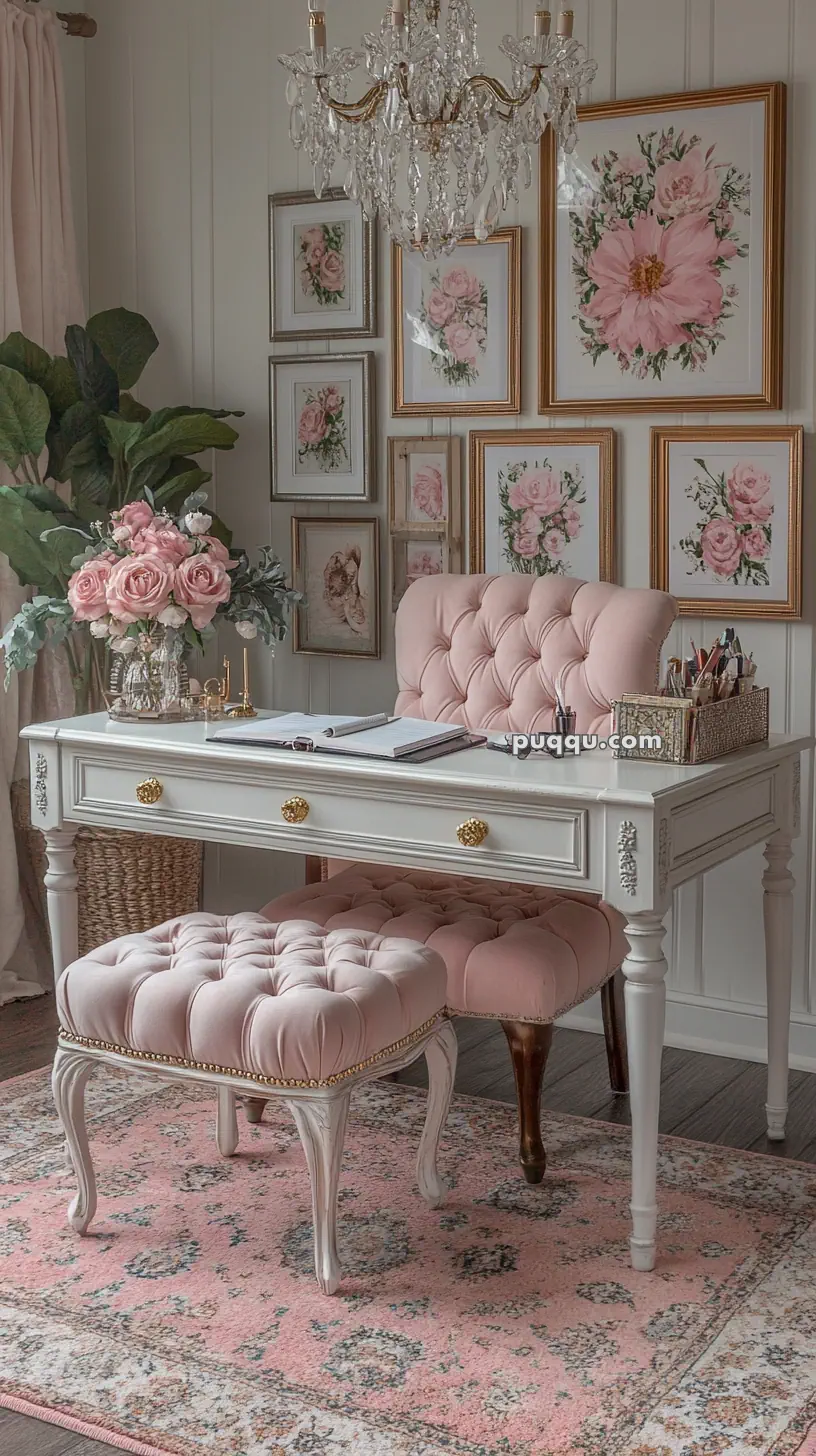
(337, 733)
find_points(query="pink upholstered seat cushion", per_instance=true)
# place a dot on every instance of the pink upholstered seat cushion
(511, 951)
(289, 1002)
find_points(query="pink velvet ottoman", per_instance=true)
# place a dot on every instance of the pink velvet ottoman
(246, 1005)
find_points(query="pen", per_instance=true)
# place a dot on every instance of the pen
(359, 725)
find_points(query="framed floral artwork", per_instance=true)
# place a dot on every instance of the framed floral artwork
(542, 502)
(336, 565)
(413, 556)
(662, 255)
(424, 484)
(322, 423)
(456, 346)
(322, 267)
(727, 519)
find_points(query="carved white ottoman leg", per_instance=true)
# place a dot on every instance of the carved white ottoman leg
(68, 1078)
(322, 1127)
(778, 883)
(226, 1123)
(440, 1054)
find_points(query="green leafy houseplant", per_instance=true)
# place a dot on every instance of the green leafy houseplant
(75, 412)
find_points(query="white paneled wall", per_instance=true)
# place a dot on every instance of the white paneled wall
(186, 130)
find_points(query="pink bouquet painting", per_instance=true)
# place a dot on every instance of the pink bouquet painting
(322, 429)
(652, 250)
(322, 263)
(539, 515)
(454, 319)
(732, 538)
(429, 494)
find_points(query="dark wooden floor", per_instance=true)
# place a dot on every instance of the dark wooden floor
(713, 1099)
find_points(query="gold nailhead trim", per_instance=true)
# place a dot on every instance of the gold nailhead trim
(69, 1040)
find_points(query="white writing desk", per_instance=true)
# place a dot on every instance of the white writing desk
(630, 832)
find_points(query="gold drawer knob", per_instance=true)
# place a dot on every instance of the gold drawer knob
(295, 810)
(472, 833)
(149, 791)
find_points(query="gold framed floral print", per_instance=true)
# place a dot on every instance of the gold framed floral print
(322, 267)
(662, 255)
(542, 502)
(456, 331)
(337, 565)
(726, 519)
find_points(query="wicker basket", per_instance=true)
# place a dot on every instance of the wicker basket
(127, 881)
(690, 734)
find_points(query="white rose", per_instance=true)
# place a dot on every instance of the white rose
(173, 617)
(247, 630)
(198, 523)
(121, 534)
(125, 645)
(99, 629)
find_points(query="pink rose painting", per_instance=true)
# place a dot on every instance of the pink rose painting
(454, 313)
(539, 516)
(650, 245)
(732, 539)
(429, 495)
(321, 255)
(322, 429)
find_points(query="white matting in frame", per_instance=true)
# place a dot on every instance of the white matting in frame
(322, 425)
(322, 267)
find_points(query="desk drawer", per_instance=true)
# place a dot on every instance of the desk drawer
(357, 819)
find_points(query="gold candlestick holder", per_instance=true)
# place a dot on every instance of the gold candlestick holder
(244, 708)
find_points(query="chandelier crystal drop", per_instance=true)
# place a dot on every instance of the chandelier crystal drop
(434, 145)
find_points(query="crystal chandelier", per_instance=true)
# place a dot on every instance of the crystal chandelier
(434, 145)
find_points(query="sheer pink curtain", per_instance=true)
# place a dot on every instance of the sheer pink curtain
(40, 294)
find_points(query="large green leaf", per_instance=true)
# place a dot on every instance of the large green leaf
(97, 382)
(55, 377)
(119, 432)
(21, 526)
(147, 475)
(182, 435)
(25, 415)
(125, 340)
(78, 422)
(176, 488)
(46, 499)
(130, 409)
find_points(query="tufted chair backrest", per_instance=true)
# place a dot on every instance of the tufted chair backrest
(489, 650)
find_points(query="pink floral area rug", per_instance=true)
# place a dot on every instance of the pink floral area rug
(508, 1321)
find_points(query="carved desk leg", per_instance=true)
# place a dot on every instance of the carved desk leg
(778, 913)
(61, 887)
(645, 970)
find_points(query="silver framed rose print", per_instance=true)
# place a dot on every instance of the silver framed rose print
(456, 344)
(662, 255)
(336, 565)
(323, 267)
(322, 421)
(727, 519)
(542, 502)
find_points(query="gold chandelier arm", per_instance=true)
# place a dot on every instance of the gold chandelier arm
(354, 111)
(488, 83)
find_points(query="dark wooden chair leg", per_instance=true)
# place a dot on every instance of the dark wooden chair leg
(614, 1020)
(529, 1044)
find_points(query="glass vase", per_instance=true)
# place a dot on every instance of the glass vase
(152, 681)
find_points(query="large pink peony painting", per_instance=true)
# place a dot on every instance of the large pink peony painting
(726, 511)
(542, 502)
(665, 249)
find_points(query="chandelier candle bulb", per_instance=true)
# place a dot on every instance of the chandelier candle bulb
(565, 23)
(542, 23)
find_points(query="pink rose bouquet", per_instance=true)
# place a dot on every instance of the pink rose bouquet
(454, 313)
(539, 516)
(323, 264)
(732, 539)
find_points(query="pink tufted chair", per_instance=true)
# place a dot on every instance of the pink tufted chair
(488, 651)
